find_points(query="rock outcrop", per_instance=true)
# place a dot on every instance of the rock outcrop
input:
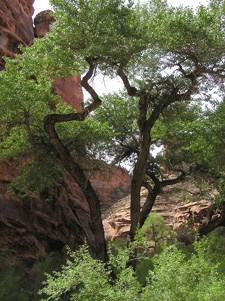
(170, 205)
(42, 23)
(16, 26)
(192, 215)
(68, 88)
(31, 227)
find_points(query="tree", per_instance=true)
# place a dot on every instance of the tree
(163, 55)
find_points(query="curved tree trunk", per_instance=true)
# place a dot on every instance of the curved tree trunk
(97, 246)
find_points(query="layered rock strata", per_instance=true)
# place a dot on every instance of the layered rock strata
(31, 227)
(182, 206)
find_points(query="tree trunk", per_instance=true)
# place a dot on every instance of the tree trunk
(152, 194)
(137, 181)
(149, 203)
(97, 246)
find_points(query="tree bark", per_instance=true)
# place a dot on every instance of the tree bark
(152, 195)
(149, 203)
(98, 248)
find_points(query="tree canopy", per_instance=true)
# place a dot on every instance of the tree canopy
(165, 58)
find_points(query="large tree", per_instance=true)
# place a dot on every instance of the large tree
(163, 56)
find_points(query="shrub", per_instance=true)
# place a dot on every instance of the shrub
(84, 278)
(176, 277)
(173, 276)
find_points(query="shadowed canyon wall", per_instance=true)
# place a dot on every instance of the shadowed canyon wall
(30, 227)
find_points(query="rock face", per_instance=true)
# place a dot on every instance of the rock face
(42, 23)
(31, 227)
(194, 213)
(169, 205)
(15, 26)
(70, 90)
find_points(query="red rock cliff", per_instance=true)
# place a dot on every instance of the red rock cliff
(31, 227)
(15, 26)
(68, 88)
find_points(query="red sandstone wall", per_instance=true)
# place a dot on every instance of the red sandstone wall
(15, 26)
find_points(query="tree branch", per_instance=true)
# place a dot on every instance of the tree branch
(214, 223)
(84, 82)
(154, 192)
(132, 91)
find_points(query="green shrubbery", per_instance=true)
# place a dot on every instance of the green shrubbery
(173, 275)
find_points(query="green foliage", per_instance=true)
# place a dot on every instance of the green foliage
(95, 27)
(89, 138)
(119, 112)
(176, 277)
(219, 199)
(194, 134)
(173, 276)
(84, 278)
(24, 102)
(154, 233)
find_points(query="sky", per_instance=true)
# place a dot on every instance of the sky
(40, 5)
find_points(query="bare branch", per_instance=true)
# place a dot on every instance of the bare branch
(166, 182)
(154, 192)
(132, 91)
(84, 82)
